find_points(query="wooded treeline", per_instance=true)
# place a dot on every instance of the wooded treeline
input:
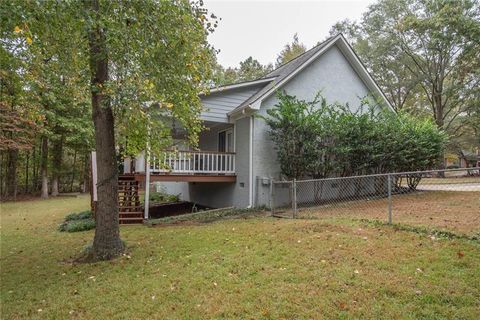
(46, 125)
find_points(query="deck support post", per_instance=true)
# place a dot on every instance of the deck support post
(147, 175)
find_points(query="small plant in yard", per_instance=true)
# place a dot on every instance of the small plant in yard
(162, 197)
(75, 222)
(79, 216)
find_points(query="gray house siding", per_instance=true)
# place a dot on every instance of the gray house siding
(219, 195)
(208, 139)
(176, 188)
(333, 75)
(218, 104)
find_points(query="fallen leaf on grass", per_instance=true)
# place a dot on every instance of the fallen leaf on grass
(460, 254)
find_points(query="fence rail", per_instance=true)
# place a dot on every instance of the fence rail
(437, 196)
(191, 162)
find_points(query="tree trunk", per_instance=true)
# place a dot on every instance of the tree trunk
(57, 164)
(73, 170)
(106, 243)
(34, 170)
(27, 157)
(11, 176)
(1, 175)
(43, 167)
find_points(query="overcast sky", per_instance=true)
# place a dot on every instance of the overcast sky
(261, 28)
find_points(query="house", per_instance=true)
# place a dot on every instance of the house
(463, 159)
(237, 157)
(469, 159)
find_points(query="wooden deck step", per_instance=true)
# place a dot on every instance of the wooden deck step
(129, 208)
(131, 221)
(138, 213)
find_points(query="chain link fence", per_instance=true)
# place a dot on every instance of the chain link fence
(441, 199)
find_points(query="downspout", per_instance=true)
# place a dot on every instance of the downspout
(251, 191)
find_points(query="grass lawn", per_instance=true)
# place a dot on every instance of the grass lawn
(256, 268)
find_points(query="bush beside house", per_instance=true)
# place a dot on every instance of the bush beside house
(315, 139)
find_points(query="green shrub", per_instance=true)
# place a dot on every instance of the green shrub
(162, 197)
(79, 216)
(316, 139)
(75, 222)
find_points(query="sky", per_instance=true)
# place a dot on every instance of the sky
(262, 28)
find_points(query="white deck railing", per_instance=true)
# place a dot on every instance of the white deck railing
(193, 162)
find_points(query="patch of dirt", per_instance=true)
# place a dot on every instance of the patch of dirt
(173, 209)
(453, 211)
(177, 224)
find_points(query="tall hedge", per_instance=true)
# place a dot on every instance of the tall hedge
(317, 139)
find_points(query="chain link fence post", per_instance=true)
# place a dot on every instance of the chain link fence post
(294, 200)
(389, 186)
(272, 201)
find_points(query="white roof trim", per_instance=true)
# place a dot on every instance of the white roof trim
(240, 85)
(352, 58)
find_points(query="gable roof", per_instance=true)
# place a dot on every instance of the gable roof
(284, 73)
(285, 70)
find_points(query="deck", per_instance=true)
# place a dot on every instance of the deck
(191, 166)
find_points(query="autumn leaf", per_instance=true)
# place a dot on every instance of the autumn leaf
(17, 29)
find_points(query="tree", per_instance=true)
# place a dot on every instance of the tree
(291, 51)
(164, 64)
(17, 133)
(17, 120)
(251, 69)
(143, 74)
(423, 53)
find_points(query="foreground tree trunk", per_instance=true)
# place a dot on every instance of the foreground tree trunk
(43, 167)
(106, 243)
(57, 164)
